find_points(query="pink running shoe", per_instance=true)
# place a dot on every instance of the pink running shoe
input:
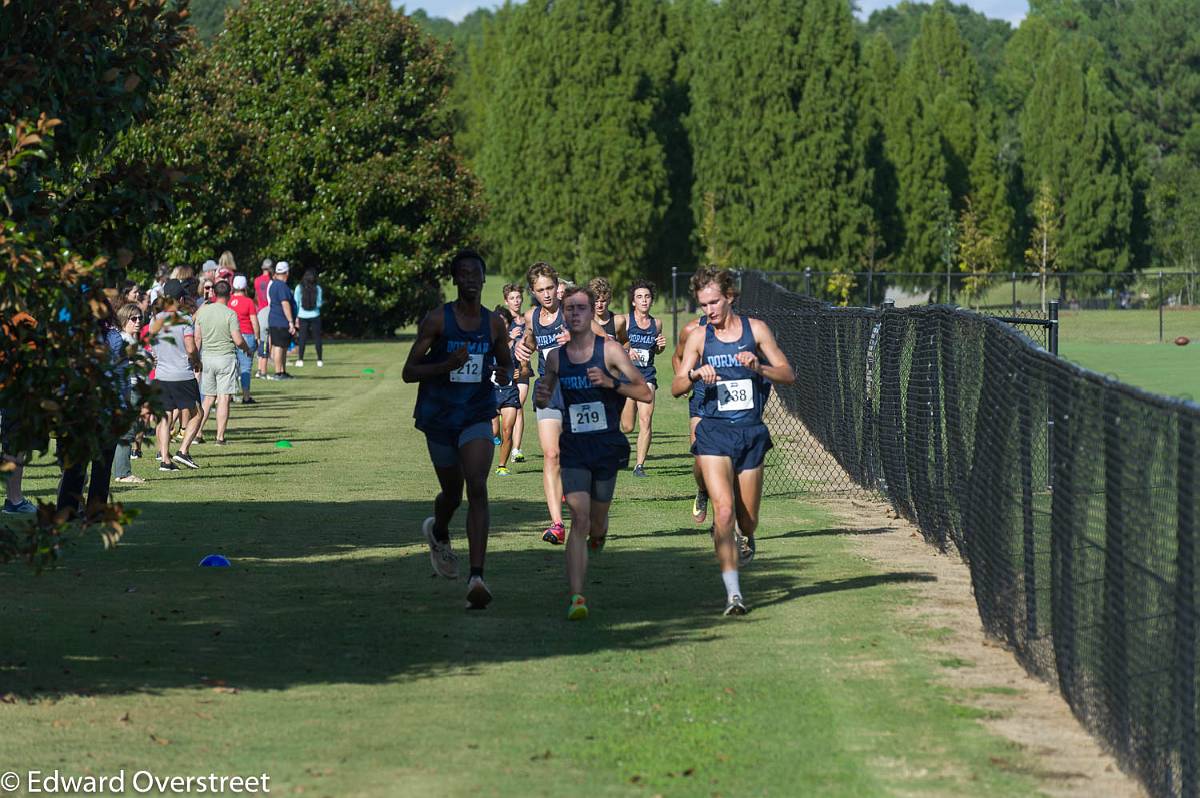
(555, 534)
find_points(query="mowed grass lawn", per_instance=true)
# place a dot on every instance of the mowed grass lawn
(1124, 344)
(328, 658)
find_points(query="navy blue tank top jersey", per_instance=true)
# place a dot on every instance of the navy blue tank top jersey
(465, 396)
(697, 397)
(589, 410)
(739, 393)
(642, 343)
(545, 336)
(610, 326)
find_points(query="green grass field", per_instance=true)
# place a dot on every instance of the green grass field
(1124, 344)
(328, 657)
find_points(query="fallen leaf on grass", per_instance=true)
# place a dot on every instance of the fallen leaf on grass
(229, 690)
(160, 740)
(536, 757)
(8, 698)
(125, 718)
(204, 716)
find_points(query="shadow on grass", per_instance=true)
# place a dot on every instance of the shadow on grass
(834, 532)
(324, 592)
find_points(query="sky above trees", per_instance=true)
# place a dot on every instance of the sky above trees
(1011, 10)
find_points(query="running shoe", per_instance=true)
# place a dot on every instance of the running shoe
(596, 545)
(700, 507)
(495, 440)
(158, 457)
(136, 454)
(735, 606)
(745, 547)
(518, 456)
(299, 364)
(221, 442)
(285, 376)
(167, 466)
(502, 471)
(478, 595)
(555, 534)
(441, 556)
(23, 507)
(577, 610)
(249, 400)
(180, 457)
(320, 364)
(131, 479)
(199, 439)
(639, 470)
(260, 375)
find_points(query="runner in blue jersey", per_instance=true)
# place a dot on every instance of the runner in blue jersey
(700, 503)
(544, 332)
(738, 355)
(458, 347)
(613, 324)
(593, 376)
(645, 340)
(514, 293)
(508, 397)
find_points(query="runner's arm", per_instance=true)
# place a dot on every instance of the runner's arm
(780, 371)
(427, 334)
(524, 348)
(660, 342)
(504, 364)
(615, 357)
(681, 344)
(685, 373)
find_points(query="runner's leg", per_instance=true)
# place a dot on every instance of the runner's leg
(579, 503)
(645, 412)
(701, 502)
(508, 419)
(450, 479)
(519, 427)
(628, 414)
(749, 498)
(719, 479)
(549, 431)
(476, 459)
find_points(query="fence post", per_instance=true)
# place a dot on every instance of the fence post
(1028, 528)
(1185, 606)
(1053, 308)
(1014, 292)
(674, 304)
(1162, 300)
(870, 280)
(1115, 667)
(808, 281)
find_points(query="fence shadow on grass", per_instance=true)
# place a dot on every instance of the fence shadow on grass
(324, 592)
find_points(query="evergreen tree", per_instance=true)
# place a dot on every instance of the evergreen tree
(572, 163)
(776, 133)
(886, 232)
(1071, 138)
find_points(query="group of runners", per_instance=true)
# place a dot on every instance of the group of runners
(596, 379)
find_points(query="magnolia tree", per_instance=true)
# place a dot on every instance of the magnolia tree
(74, 76)
(318, 132)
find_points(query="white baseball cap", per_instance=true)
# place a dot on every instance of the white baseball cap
(281, 267)
(210, 266)
(239, 282)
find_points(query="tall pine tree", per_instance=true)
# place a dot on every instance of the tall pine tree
(776, 134)
(1070, 130)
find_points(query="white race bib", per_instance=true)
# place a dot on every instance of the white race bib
(735, 395)
(588, 417)
(640, 357)
(470, 371)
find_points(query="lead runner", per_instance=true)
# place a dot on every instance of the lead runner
(458, 347)
(586, 371)
(738, 355)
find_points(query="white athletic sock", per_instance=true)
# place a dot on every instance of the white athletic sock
(732, 588)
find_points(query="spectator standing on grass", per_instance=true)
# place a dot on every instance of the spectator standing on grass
(15, 502)
(129, 322)
(226, 267)
(281, 322)
(218, 334)
(262, 282)
(263, 304)
(175, 358)
(247, 315)
(309, 298)
(70, 486)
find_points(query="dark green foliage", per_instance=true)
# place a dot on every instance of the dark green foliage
(1071, 134)
(70, 209)
(776, 134)
(317, 132)
(208, 16)
(570, 148)
(986, 38)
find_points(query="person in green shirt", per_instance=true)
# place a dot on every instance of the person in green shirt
(219, 336)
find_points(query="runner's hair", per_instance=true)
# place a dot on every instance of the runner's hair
(540, 269)
(580, 289)
(711, 275)
(464, 255)
(601, 288)
(510, 288)
(640, 283)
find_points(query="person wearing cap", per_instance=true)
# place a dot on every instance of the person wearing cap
(220, 338)
(281, 323)
(176, 360)
(247, 316)
(210, 269)
(261, 282)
